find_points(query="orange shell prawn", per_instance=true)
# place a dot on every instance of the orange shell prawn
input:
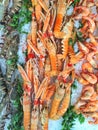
(52, 54)
(85, 12)
(26, 111)
(59, 19)
(46, 97)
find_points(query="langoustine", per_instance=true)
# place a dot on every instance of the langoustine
(62, 94)
(26, 98)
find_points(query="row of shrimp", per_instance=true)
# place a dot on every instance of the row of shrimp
(8, 54)
(8, 42)
(49, 71)
(87, 103)
(8, 8)
(4, 102)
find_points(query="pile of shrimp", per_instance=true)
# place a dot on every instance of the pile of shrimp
(49, 71)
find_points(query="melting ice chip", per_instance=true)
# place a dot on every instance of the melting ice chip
(76, 23)
(70, 10)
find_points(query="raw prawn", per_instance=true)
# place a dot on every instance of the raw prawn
(85, 12)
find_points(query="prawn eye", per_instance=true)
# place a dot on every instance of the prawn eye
(46, 107)
(61, 86)
(38, 40)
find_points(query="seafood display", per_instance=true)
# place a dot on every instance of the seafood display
(8, 53)
(50, 64)
(62, 34)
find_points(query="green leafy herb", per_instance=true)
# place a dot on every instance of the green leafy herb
(12, 61)
(22, 17)
(69, 119)
(72, 41)
(74, 86)
(16, 121)
(75, 2)
(25, 52)
(80, 24)
(9, 62)
(79, 36)
(81, 118)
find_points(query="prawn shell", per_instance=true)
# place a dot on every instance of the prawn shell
(26, 111)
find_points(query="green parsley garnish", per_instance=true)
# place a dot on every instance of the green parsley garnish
(69, 119)
(74, 86)
(79, 36)
(22, 17)
(75, 2)
(16, 120)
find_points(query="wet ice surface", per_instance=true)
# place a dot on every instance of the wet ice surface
(22, 44)
(84, 126)
(7, 122)
(70, 11)
(55, 125)
(3, 65)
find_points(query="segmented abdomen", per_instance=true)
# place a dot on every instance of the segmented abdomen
(13, 7)
(27, 111)
(65, 47)
(3, 88)
(58, 23)
(52, 53)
